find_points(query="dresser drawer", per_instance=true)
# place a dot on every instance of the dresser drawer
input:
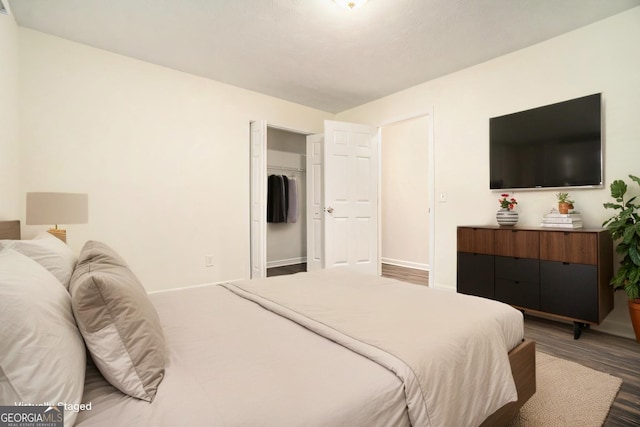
(569, 290)
(574, 247)
(476, 240)
(520, 269)
(517, 243)
(475, 274)
(522, 294)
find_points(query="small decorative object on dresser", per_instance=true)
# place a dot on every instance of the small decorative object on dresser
(506, 216)
(554, 219)
(564, 203)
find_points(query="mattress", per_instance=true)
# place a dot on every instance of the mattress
(235, 360)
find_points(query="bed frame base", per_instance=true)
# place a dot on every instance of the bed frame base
(523, 367)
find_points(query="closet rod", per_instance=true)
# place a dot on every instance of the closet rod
(285, 168)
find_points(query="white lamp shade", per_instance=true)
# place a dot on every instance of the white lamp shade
(57, 208)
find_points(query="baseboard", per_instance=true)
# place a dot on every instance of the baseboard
(407, 264)
(285, 262)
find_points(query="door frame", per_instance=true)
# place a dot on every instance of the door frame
(428, 113)
(263, 185)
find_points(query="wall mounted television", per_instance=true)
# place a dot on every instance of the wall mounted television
(554, 146)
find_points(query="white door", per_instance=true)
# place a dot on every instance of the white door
(351, 196)
(258, 199)
(315, 213)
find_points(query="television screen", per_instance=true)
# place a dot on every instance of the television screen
(558, 145)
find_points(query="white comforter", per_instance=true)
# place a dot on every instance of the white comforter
(450, 350)
(233, 363)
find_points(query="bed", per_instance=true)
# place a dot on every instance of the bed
(311, 349)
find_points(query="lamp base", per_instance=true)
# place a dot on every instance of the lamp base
(59, 233)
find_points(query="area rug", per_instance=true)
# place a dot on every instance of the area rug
(567, 394)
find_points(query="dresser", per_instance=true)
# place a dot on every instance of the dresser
(560, 273)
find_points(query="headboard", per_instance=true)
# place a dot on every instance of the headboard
(10, 230)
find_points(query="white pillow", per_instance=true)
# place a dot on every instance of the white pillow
(42, 355)
(49, 251)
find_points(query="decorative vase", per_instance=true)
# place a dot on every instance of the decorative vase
(506, 217)
(634, 312)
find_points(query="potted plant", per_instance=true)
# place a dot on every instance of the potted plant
(564, 203)
(506, 216)
(625, 230)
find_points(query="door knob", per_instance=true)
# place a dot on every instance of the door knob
(329, 209)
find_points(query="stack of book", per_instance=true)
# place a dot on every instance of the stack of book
(558, 220)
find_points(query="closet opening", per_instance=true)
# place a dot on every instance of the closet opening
(286, 202)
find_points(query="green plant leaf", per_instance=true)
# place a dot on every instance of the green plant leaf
(610, 205)
(634, 255)
(629, 234)
(617, 281)
(622, 248)
(618, 189)
(634, 276)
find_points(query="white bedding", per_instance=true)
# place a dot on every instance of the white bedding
(450, 350)
(233, 363)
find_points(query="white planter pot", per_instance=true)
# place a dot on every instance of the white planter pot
(505, 217)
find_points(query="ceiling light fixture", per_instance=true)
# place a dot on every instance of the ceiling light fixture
(350, 4)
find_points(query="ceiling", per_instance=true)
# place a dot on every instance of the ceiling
(313, 52)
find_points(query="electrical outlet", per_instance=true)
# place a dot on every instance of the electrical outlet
(208, 260)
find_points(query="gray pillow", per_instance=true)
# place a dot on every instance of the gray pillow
(118, 322)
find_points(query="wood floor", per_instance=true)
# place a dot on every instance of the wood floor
(603, 352)
(287, 269)
(411, 275)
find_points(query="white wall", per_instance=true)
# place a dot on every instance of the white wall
(602, 57)
(10, 199)
(404, 194)
(163, 155)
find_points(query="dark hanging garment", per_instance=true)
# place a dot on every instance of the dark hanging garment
(285, 199)
(272, 194)
(276, 208)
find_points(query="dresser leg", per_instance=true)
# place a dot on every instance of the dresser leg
(578, 327)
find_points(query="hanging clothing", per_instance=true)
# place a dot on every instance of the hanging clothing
(276, 203)
(292, 211)
(285, 201)
(282, 199)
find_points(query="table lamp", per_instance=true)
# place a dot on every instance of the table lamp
(57, 208)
